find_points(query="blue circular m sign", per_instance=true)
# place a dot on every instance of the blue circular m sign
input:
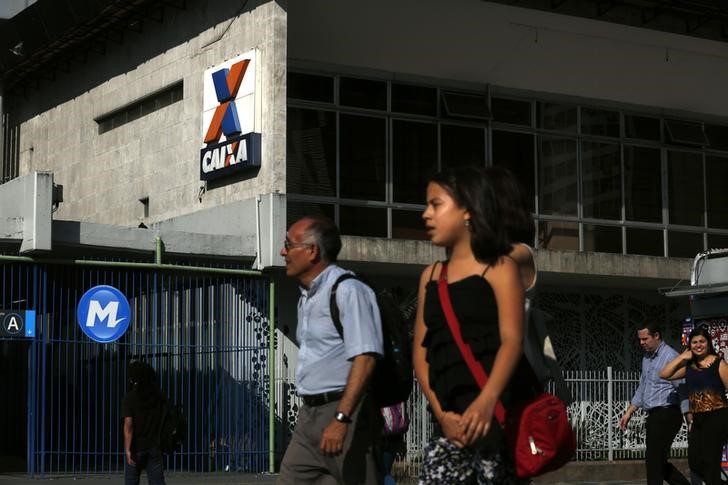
(103, 313)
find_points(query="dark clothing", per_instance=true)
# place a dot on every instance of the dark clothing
(450, 378)
(706, 391)
(145, 409)
(663, 423)
(705, 444)
(358, 463)
(151, 461)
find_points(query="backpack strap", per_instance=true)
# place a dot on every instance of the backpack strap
(334, 307)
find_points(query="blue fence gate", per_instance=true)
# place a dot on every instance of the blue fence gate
(206, 334)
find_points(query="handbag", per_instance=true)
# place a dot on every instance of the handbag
(538, 434)
(395, 419)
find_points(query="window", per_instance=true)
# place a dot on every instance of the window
(683, 244)
(717, 136)
(557, 176)
(296, 210)
(716, 185)
(717, 241)
(417, 100)
(142, 107)
(311, 152)
(310, 87)
(642, 127)
(414, 159)
(685, 188)
(556, 117)
(363, 221)
(511, 111)
(408, 225)
(647, 242)
(686, 133)
(462, 105)
(362, 157)
(515, 151)
(601, 180)
(362, 93)
(603, 239)
(599, 122)
(462, 145)
(558, 235)
(642, 184)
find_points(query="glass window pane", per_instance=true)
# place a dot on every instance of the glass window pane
(408, 225)
(363, 93)
(417, 100)
(557, 176)
(642, 184)
(362, 157)
(558, 235)
(603, 239)
(296, 210)
(515, 151)
(684, 244)
(716, 180)
(464, 105)
(717, 136)
(599, 122)
(311, 152)
(642, 127)
(462, 145)
(310, 87)
(414, 159)
(717, 241)
(556, 117)
(685, 188)
(363, 221)
(511, 111)
(686, 133)
(602, 184)
(645, 241)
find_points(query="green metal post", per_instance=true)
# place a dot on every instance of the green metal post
(271, 378)
(158, 250)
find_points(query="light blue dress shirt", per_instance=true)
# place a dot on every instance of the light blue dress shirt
(324, 361)
(653, 391)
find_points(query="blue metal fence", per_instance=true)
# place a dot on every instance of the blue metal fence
(205, 334)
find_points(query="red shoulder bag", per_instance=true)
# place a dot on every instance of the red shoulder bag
(538, 434)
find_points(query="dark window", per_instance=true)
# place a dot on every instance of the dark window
(557, 176)
(363, 93)
(414, 159)
(599, 122)
(462, 105)
(363, 221)
(642, 127)
(556, 117)
(462, 145)
(310, 87)
(311, 152)
(558, 235)
(717, 241)
(515, 151)
(417, 100)
(603, 239)
(362, 157)
(642, 184)
(685, 188)
(645, 241)
(295, 210)
(716, 181)
(511, 111)
(602, 182)
(684, 244)
(408, 225)
(686, 133)
(142, 107)
(717, 136)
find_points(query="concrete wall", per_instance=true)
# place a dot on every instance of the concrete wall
(156, 156)
(481, 42)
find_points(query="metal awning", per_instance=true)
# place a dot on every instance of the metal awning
(693, 290)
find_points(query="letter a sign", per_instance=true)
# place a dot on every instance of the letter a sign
(103, 314)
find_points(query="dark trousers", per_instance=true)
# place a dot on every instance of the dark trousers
(705, 444)
(662, 426)
(151, 461)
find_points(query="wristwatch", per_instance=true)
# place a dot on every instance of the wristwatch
(342, 418)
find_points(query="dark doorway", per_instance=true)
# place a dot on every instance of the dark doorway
(13, 405)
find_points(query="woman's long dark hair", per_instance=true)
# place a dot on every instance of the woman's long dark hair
(703, 331)
(514, 204)
(472, 190)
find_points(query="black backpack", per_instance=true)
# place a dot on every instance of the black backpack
(173, 428)
(392, 379)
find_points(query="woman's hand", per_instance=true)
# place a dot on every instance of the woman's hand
(687, 356)
(451, 428)
(476, 420)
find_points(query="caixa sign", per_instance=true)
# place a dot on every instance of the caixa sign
(103, 314)
(230, 141)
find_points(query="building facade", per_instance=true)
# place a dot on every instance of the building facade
(211, 126)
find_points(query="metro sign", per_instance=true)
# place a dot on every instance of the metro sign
(230, 143)
(103, 314)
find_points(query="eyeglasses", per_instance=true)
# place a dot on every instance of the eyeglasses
(288, 245)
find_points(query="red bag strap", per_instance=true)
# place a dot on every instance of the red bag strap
(476, 368)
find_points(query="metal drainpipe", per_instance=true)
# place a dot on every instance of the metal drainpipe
(2, 133)
(271, 379)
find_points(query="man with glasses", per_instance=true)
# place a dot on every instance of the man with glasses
(664, 402)
(337, 436)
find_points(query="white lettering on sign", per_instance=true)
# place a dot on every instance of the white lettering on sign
(13, 326)
(225, 155)
(109, 311)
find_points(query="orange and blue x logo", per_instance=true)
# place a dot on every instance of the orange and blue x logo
(225, 120)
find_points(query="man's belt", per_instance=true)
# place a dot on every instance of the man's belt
(323, 398)
(663, 408)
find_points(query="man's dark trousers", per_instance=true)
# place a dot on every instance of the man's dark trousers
(662, 426)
